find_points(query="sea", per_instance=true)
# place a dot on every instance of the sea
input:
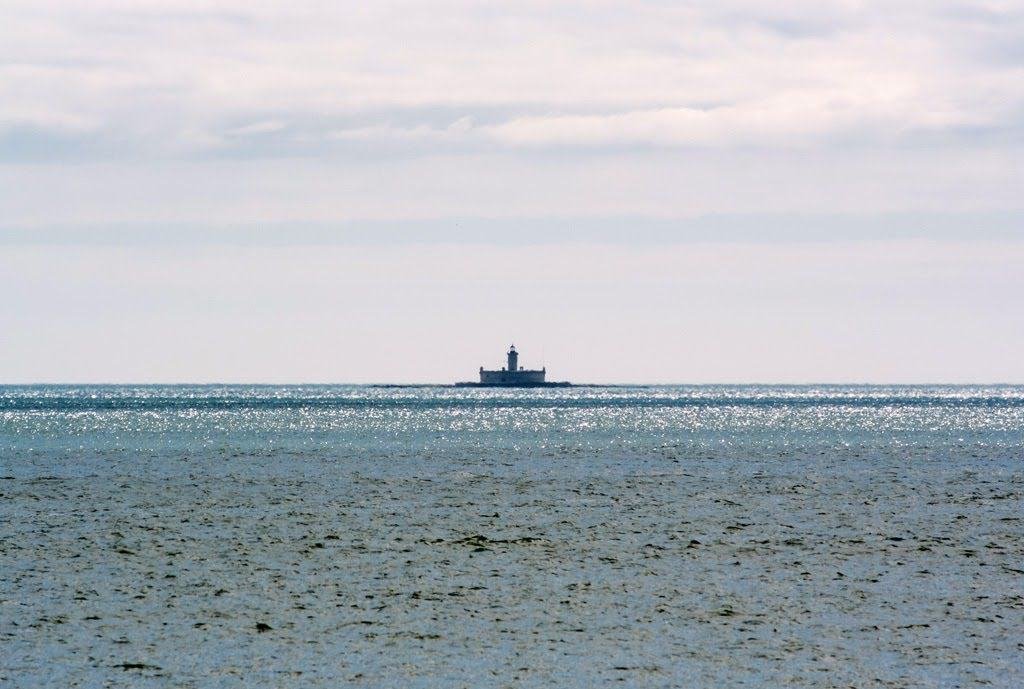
(431, 536)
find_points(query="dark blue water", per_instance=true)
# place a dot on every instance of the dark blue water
(666, 536)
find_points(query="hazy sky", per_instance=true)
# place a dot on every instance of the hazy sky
(395, 191)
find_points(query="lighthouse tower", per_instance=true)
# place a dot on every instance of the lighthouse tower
(513, 359)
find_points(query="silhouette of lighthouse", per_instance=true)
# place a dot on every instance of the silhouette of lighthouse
(514, 375)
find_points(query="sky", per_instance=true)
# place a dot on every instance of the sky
(630, 191)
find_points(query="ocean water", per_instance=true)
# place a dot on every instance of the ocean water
(703, 536)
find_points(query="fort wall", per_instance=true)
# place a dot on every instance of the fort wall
(504, 377)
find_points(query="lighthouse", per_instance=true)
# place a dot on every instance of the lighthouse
(514, 376)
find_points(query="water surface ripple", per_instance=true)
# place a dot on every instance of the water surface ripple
(661, 536)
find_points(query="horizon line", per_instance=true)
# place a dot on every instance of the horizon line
(452, 385)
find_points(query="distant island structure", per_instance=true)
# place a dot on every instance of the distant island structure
(514, 376)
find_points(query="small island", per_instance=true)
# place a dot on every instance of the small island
(513, 376)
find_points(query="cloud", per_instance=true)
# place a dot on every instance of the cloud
(789, 120)
(257, 128)
(170, 111)
(460, 128)
(176, 78)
